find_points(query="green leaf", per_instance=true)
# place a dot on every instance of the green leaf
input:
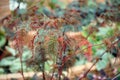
(119, 69)
(103, 31)
(84, 31)
(101, 64)
(91, 3)
(47, 65)
(1, 70)
(11, 50)
(26, 54)
(105, 59)
(2, 40)
(16, 65)
(7, 61)
(119, 44)
(54, 1)
(80, 62)
(22, 11)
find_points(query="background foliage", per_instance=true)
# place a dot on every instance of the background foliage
(40, 37)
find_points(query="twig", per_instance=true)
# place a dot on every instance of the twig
(97, 61)
(85, 74)
(43, 72)
(52, 75)
(20, 52)
(22, 67)
(117, 75)
(21, 64)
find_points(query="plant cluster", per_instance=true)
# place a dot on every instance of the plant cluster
(65, 37)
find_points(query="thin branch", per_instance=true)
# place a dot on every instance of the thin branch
(117, 75)
(85, 74)
(20, 52)
(52, 75)
(43, 71)
(22, 67)
(97, 61)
